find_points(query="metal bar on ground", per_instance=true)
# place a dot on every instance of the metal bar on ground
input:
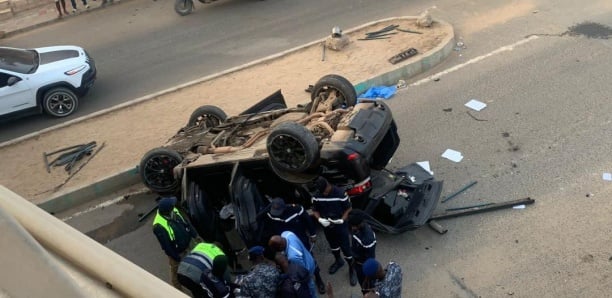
(459, 191)
(468, 207)
(79, 168)
(474, 210)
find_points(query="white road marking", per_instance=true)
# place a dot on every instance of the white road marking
(96, 207)
(474, 60)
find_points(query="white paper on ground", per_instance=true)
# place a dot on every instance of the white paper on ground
(519, 207)
(425, 166)
(476, 105)
(452, 155)
(607, 176)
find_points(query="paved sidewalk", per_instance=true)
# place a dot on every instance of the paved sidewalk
(44, 15)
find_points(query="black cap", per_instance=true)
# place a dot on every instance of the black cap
(355, 218)
(277, 207)
(321, 184)
(166, 204)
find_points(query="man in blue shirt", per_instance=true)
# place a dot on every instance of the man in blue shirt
(296, 253)
(294, 218)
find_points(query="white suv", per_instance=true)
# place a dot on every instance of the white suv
(49, 80)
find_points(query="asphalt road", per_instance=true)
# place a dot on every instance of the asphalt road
(143, 46)
(545, 134)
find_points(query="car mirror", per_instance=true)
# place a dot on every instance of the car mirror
(12, 81)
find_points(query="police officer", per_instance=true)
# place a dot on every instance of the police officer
(331, 207)
(363, 242)
(384, 282)
(291, 217)
(263, 279)
(193, 265)
(215, 281)
(175, 235)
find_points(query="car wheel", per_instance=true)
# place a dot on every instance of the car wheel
(292, 148)
(207, 117)
(183, 7)
(156, 170)
(248, 203)
(345, 92)
(60, 102)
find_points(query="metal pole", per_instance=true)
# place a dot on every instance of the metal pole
(459, 191)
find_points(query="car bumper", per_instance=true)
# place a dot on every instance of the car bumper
(89, 77)
(402, 201)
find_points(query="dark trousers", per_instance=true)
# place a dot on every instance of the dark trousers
(196, 289)
(338, 238)
(73, 2)
(359, 270)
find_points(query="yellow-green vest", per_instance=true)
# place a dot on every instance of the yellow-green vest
(163, 222)
(207, 249)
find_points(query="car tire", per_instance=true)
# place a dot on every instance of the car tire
(60, 102)
(202, 217)
(156, 170)
(248, 202)
(292, 148)
(347, 95)
(183, 7)
(207, 117)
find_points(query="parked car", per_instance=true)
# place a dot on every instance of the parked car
(226, 169)
(44, 80)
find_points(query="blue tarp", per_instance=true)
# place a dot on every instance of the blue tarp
(379, 92)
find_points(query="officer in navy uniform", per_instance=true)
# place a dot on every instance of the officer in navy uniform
(331, 206)
(294, 218)
(363, 242)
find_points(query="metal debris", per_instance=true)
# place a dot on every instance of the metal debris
(403, 55)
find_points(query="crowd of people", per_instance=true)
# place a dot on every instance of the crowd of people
(60, 5)
(284, 266)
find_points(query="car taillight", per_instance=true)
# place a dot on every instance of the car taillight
(352, 156)
(360, 188)
(74, 70)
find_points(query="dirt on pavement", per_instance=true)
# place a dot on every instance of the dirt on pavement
(130, 132)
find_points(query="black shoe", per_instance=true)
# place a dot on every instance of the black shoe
(352, 277)
(335, 266)
(321, 287)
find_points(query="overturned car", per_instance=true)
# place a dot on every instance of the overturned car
(227, 169)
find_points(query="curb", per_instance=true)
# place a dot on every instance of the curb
(7, 34)
(130, 177)
(80, 195)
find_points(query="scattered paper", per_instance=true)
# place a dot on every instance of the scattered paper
(519, 207)
(425, 166)
(476, 105)
(452, 155)
(607, 176)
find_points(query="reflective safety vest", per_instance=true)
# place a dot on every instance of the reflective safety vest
(162, 221)
(207, 249)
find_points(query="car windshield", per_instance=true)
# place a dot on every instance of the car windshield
(18, 60)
